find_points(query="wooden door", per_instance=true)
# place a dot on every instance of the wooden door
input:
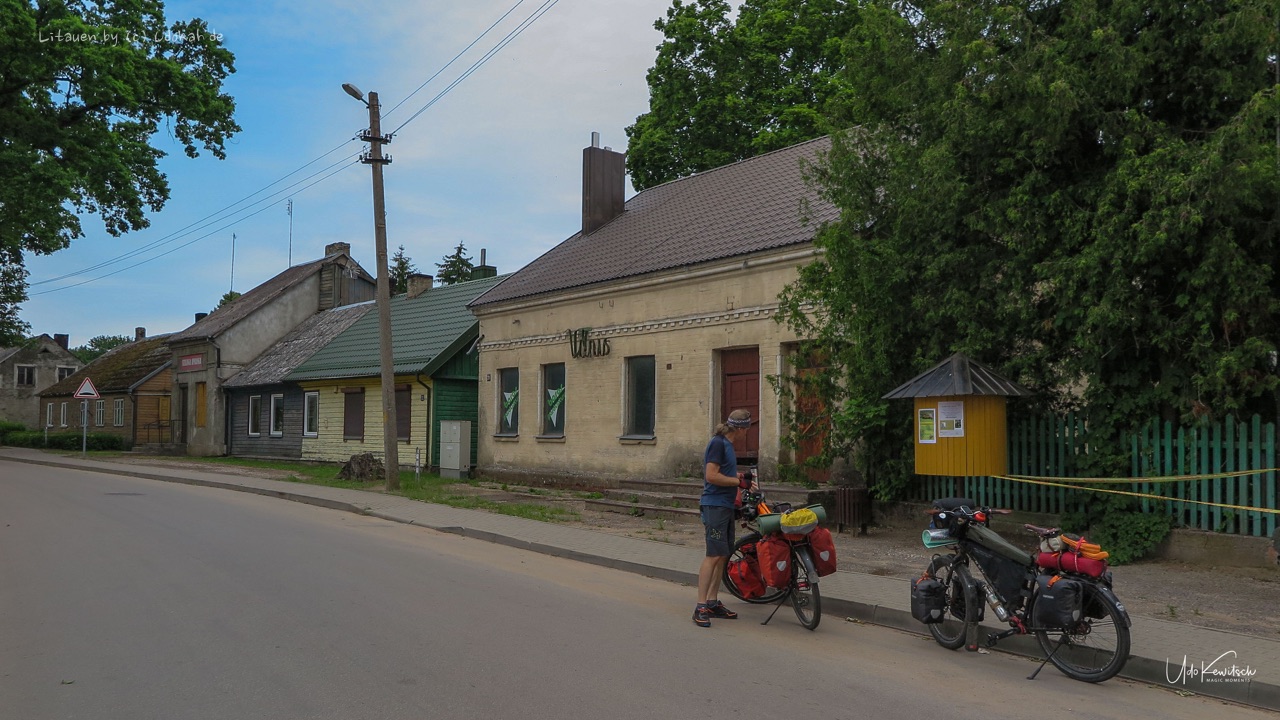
(812, 422)
(740, 383)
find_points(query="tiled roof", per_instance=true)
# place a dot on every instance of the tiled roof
(957, 375)
(233, 312)
(758, 204)
(293, 349)
(426, 331)
(118, 369)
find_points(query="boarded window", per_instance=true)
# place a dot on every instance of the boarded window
(201, 403)
(404, 412)
(311, 414)
(353, 414)
(255, 415)
(641, 400)
(509, 401)
(553, 400)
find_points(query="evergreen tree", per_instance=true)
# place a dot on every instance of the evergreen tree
(456, 267)
(97, 346)
(401, 268)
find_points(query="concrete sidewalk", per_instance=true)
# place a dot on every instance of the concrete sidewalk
(1176, 655)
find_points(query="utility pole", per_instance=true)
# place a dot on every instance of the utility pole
(375, 160)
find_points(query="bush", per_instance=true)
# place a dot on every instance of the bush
(1120, 527)
(7, 428)
(67, 440)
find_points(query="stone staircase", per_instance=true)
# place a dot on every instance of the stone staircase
(678, 499)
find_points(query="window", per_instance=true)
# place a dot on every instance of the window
(553, 408)
(63, 416)
(119, 412)
(353, 414)
(277, 415)
(48, 415)
(99, 412)
(26, 375)
(404, 412)
(641, 401)
(255, 415)
(65, 372)
(311, 414)
(509, 401)
(201, 403)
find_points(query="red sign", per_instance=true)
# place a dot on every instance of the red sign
(87, 391)
(188, 363)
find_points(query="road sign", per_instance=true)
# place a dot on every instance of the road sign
(87, 391)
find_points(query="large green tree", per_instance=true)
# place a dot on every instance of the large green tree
(724, 88)
(401, 268)
(84, 87)
(456, 267)
(98, 346)
(1086, 194)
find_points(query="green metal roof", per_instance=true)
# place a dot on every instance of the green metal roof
(426, 331)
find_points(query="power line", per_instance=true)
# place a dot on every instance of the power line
(206, 235)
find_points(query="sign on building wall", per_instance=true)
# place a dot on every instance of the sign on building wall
(582, 345)
(188, 363)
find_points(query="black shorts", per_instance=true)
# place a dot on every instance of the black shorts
(719, 523)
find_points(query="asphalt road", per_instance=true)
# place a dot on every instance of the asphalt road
(131, 599)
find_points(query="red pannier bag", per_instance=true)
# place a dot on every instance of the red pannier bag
(824, 551)
(745, 574)
(775, 561)
(1070, 562)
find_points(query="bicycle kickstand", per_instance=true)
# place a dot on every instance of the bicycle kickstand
(1033, 675)
(775, 608)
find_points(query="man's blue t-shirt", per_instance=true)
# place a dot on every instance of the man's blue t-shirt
(720, 451)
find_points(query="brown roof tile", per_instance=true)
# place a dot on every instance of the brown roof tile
(758, 204)
(119, 369)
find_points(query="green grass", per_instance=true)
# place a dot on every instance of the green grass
(429, 488)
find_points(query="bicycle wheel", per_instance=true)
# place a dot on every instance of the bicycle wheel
(1096, 648)
(950, 632)
(771, 595)
(805, 598)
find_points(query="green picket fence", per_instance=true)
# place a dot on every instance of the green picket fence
(1053, 447)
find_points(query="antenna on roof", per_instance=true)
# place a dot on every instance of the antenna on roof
(289, 209)
(233, 262)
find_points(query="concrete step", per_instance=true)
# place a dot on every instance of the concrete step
(657, 499)
(795, 495)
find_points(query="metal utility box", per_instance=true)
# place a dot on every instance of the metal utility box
(455, 448)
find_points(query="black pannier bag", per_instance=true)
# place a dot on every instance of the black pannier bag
(1058, 602)
(1005, 575)
(928, 600)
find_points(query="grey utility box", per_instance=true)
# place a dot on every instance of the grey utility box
(455, 448)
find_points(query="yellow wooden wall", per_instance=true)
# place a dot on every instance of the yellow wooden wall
(328, 445)
(982, 451)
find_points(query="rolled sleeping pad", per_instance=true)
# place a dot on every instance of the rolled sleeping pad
(772, 522)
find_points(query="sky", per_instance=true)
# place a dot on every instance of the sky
(495, 163)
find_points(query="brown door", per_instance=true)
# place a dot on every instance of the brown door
(812, 421)
(741, 391)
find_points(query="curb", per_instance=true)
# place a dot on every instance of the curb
(1139, 669)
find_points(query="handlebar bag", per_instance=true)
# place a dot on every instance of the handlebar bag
(928, 600)
(824, 551)
(1059, 602)
(745, 573)
(775, 561)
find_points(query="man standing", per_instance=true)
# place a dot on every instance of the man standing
(720, 483)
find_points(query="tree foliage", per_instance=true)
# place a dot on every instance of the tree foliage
(401, 268)
(97, 346)
(227, 297)
(456, 267)
(1085, 195)
(84, 87)
(724, 89)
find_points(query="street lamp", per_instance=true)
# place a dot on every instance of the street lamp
(375, 160)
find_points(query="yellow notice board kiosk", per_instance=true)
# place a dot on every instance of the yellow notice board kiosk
(959, 419)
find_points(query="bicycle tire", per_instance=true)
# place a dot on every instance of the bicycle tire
(1096, 648)
(950, 633)
(805, 598)
(771, 595)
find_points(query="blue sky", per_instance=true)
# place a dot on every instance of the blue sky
(495, 163)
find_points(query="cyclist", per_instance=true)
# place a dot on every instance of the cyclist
(721, 481)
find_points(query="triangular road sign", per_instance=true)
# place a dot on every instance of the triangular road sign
(87, 391)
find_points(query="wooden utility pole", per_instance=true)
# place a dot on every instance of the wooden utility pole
(375, 159)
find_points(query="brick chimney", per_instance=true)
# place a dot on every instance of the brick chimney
(201, 316)
(604, 178)
(62, 340)
(139, 333)
(419, 283)
(335, 248)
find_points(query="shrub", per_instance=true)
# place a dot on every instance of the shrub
(67, 440)
(1120, 527)
(7, 428)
